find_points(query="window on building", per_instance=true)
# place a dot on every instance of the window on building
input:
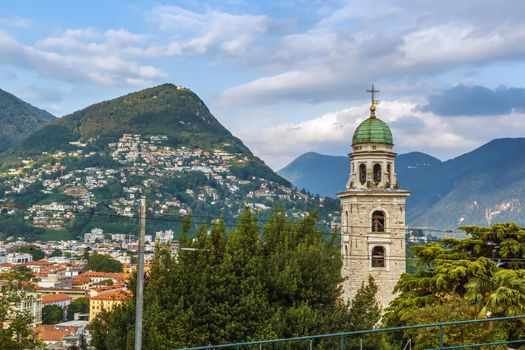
(362, 174)
(377, 173)
(378, 256)
(378, 221)
(346, 224)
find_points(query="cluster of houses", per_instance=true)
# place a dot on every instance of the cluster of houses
(152, 159)
(61, 279)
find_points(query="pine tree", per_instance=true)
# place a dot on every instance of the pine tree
(365, 311)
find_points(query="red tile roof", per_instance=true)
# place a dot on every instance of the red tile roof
(118, 295)
(49, 298)
(49, 332)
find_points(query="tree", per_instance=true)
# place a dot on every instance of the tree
(34, 251)
(79, 305)
(233, 286)
(24, 272)
(103, 263)
(502, 294)
(485, 269)
(365, 311)
(450, 309)
(52, 314)
(15, 325)
(56, 252)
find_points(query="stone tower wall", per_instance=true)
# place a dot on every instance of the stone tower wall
(358, 240)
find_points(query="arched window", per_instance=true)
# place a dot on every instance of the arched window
(378, 256)
(362, 174)
(346, 224)
(378, 221)
(377, 173)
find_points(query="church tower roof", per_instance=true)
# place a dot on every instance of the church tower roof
(372, 130)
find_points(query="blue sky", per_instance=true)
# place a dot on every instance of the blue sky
(286, 77)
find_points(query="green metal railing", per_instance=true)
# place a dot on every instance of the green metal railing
(339, 338)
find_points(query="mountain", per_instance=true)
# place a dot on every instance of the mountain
(167, 109)
(18, 119)
(481, 187)
(86, 170)
(311, 170)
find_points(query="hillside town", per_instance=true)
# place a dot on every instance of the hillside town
(77, 180)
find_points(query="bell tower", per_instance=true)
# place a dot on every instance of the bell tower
(372, 212)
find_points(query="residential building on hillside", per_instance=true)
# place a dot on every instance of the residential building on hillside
(60, 299)
(96, 235)
(106, 301)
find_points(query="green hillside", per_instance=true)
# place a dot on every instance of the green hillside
(168, 110)
(18, 119)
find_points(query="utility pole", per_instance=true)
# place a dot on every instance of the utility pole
(140, 276)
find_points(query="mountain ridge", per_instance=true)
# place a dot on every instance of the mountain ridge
(18, 119)
(148, 111)
(479, 187)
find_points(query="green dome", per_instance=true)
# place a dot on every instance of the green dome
(372, 130)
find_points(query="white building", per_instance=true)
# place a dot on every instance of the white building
(118, 237)
(19, 258)
(164, 237)
(96, 234)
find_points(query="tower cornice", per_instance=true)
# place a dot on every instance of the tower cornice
(373, 193)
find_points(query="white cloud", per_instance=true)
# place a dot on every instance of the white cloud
(357, 44)
(213, 30)
(83, 55)
(459, 43)
(332, 132)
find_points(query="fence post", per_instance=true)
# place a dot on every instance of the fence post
(441, 335)
(342, 343)
(311, 344)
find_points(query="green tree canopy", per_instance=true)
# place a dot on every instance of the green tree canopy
(34, 251)
(79, 305)
(56, 252)
(52, 314)
(486, 270)
(103, 263)
(240, 285)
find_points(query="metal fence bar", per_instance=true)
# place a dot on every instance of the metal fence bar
(341, 334)
(441, 336)
(479, 345)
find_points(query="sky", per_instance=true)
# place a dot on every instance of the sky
(287, 77)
